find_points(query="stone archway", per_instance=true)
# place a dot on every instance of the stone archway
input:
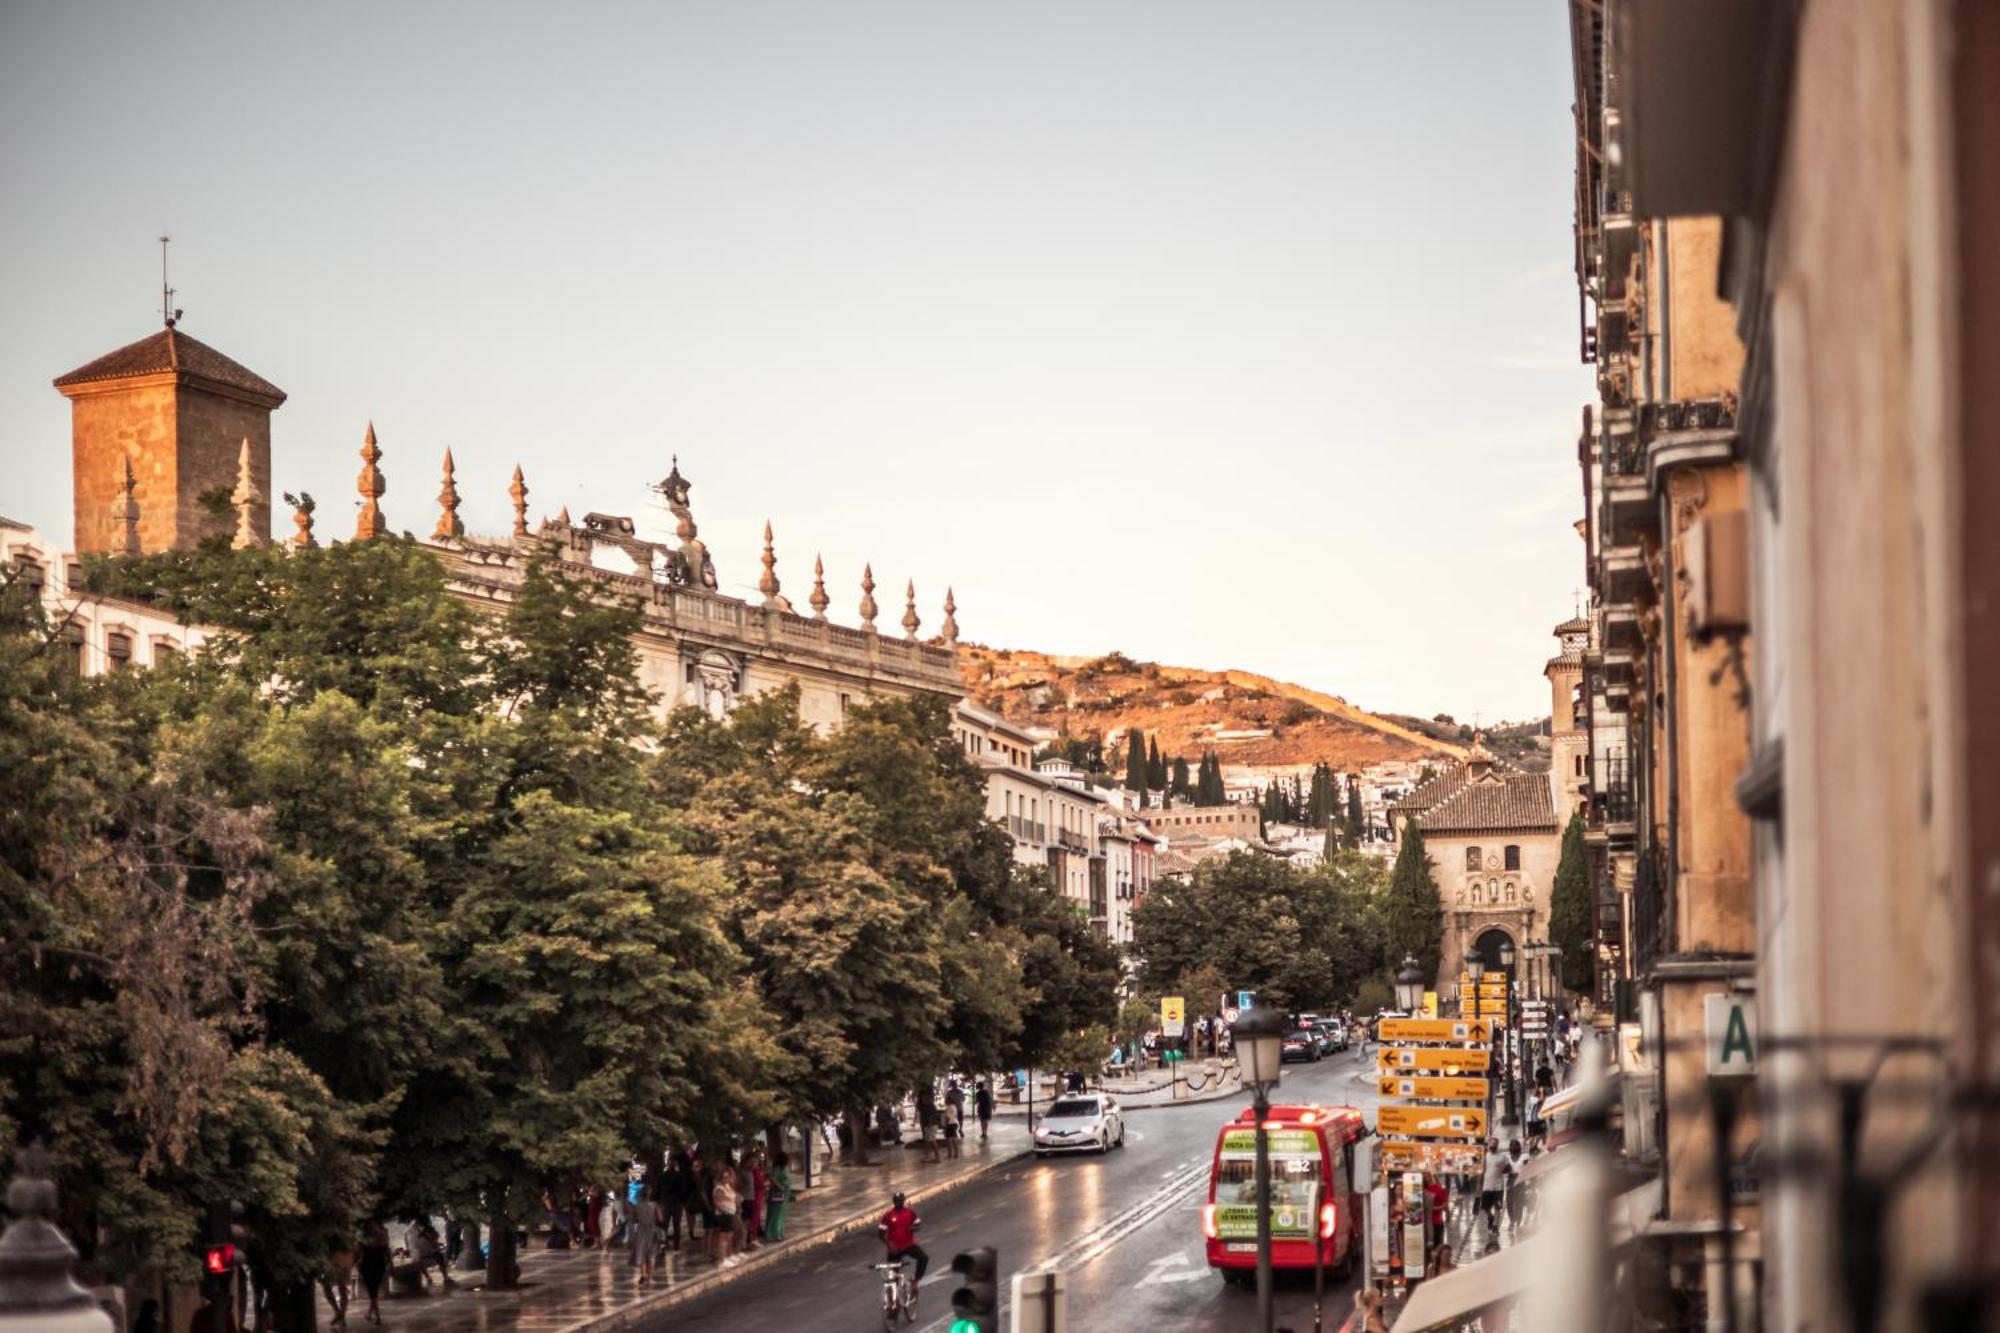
(1487, 944)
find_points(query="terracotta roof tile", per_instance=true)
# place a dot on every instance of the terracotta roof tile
(172, 350)
(1499, 801)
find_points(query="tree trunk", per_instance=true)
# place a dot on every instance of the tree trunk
(863, 1129)
(502, 1272)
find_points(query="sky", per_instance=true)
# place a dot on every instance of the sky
(1226, 335)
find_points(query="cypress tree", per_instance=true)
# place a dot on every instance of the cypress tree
(1180, 785)
(1208, 788)
(1355, 823)
(1412, 910)
(1569, 906)
(1156, 767)
(1135, 761)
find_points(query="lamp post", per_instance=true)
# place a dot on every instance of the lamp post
(37, 1293)
(1409, 985)
(1259, 1038)
(1507, 1037)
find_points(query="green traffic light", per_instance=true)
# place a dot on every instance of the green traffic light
(964, 1326)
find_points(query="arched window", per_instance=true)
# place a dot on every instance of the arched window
(1472, 858)
(1513, 856)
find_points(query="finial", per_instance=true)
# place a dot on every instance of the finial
(950, 617)
(868, 597)
(518, 491)
(819, 600)
(125, 512)
(562, 516)
(245, 497)
(368, 523)
(768, 583)
(449, 525)
(35, 1256)
(910, 619)
(302, 518)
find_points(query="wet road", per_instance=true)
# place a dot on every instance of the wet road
(1125, 1229)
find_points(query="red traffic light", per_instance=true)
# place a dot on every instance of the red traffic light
(220, 1258)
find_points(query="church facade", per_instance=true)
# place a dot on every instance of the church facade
(1494, 833)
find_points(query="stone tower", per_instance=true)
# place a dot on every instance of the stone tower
(1569, 719)
(178, 411)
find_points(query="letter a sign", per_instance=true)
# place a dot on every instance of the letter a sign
(1731, 1023)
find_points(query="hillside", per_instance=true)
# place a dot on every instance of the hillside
(1524, 745)
(1245, 718)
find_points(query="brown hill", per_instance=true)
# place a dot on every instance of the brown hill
(1245, 718)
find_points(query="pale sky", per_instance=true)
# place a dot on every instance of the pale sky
(1227, 335)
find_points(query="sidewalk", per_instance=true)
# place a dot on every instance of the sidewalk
(569, 1291)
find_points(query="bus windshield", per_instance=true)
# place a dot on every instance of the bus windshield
(1296, 1183)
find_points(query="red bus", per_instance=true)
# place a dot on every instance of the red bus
(1315, 1203)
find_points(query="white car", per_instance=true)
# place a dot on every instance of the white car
(1080, 1122)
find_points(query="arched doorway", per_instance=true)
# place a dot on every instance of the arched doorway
(1487, 946)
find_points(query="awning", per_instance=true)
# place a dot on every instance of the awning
(1441, 1302)
(1565, 1098)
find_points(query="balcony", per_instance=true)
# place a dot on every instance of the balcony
(1027, 830)
(1621, 627)
(1072, 841)
(1613, 807)
(1624, 574)
(1687, 430)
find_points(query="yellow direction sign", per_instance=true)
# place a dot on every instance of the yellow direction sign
(1435, 1029)
(1449, 1060)
(1458, 1157)
(1431, 1122)
(1495, 1011)
(1445, 1089)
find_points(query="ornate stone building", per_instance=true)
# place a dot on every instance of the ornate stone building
(1494, 833)
(172, 444)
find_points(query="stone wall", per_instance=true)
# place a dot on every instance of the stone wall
(135, 421)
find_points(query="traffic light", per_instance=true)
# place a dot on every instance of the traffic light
(975, 1303)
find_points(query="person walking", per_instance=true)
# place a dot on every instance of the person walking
(781, 1195)
(1517, 1197)
(338, 1281)
(374, 1265)
(755, 1195)
(643, 1232)
(982, 1102)
(1491, 1185)
(677, 1196)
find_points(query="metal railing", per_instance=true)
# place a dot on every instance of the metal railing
(1611, 794)
(1027, 830)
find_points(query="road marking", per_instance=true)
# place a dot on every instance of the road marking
(1105, 1235)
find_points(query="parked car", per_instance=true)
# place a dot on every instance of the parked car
(1322, 1039)
(1299, 1045)
(1337, 1034)
(1081, 1124)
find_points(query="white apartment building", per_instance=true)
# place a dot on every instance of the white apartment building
(99, 634)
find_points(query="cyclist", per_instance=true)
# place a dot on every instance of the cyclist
(898, 1229)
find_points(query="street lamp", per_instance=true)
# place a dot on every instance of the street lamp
(1259, 1038)
(1409, 985)
(1507, 1036)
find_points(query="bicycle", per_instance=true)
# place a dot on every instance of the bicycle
(899, 1294)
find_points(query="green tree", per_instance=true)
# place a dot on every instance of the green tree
(1156, 767)
(1412, 912)
(1208, 789)
(1355, 825)
(1569, 907)
(1180, 785)
(1135, 761)
(1320, 797)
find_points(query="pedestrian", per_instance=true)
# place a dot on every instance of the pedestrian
(1516, 1195)
(643, 1230)
(954, 1095)
(754, 1197)
(927, 1121)
(611, 1219)
(982, 1102)
(1545, 1079)
(1438, 1199)
(374, 1264)
(338, 1281)
(1492, 1182)
(952, 1130)
(727, 1205)
(781, 1195)
(677, 1196)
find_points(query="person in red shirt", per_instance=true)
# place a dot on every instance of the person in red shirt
(898, 1229)
(1439, 1198)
